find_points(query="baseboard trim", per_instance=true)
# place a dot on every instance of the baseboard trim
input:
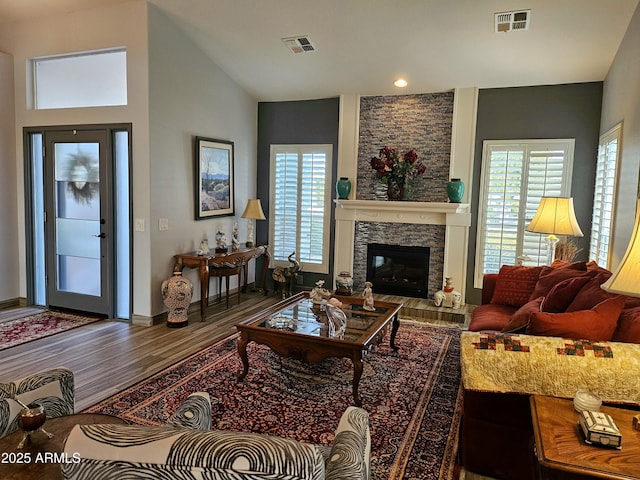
(13, 302)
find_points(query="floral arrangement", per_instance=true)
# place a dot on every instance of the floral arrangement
(395, 170)
(391, 166)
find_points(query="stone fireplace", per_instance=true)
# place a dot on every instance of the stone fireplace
(442, 129)
(440, 227)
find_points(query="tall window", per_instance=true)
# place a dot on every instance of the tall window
(515, 176)
(604, 195)
(300, 205)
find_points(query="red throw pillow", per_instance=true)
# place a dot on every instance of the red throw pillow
(591, 294)
(550, 277)
(598, 324)
(520, 319)
(515, 285)
(562, 294)
(573, 265)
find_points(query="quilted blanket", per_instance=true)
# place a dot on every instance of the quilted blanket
(508, 363)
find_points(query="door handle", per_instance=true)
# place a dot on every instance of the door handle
(102, 235)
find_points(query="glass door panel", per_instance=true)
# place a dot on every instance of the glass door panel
(77, 184)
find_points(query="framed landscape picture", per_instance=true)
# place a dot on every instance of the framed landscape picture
(213, 178)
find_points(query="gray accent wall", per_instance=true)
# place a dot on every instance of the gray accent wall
(295, 123)
(542, 112)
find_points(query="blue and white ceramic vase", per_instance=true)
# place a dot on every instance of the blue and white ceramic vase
(455, 190)
(343, 188)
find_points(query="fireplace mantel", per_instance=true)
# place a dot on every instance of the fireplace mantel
(455, 217)
(425, 213)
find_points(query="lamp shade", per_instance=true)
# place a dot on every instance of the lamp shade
(254, 210)
(626, 279)
(555, 216)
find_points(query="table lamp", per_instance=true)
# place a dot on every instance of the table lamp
(252, 212)
(555, 216)
(626, 279)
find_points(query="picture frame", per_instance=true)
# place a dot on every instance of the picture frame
(214, 189)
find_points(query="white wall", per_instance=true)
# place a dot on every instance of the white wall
(621, 102)
(113, 26)
(190, 96)
(9, 288)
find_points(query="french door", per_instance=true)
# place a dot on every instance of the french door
(85, 220)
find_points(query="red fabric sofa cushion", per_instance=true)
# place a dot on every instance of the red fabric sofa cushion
(597, 324)
(628, 329)
(590, 294)
(520, 319)
(551, 276)
(515, 285)
(562, 294)
(490, 317)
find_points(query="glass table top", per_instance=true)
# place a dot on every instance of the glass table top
(306, 318)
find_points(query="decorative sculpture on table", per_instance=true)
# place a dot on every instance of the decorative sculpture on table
(448, 296)
(319, 293)
(235, 243)
(203, 249)
(285, 277)
(221, 242)
(368, 297)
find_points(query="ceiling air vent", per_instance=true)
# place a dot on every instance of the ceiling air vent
(301, 44)
(512, 21)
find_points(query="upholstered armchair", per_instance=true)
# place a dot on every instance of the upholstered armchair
(53, 389)
(128, 451)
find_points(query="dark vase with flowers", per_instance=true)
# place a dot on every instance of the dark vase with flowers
(396, 171)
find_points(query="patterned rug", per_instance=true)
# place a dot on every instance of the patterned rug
(26, 329)
(412, 396)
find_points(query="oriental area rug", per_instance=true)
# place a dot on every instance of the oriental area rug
(33, 327)
(413, 397)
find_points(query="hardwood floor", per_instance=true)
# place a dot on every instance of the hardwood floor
(108, 356)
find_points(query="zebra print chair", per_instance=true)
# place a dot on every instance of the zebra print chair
(53, 389)
(134, 451)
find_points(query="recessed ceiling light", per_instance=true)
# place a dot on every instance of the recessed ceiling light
(401, 82)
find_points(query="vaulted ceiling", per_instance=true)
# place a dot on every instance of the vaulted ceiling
(362, 46)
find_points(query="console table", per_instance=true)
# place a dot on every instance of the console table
(230, 258)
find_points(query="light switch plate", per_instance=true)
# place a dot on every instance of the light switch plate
(163, 224)
(139, 225)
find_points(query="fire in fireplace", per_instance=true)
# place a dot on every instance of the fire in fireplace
(398, 269)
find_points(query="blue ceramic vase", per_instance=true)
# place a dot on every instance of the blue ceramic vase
(343, 188)
(455, 190)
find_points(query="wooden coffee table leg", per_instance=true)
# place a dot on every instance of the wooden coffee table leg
(242, 351)
(394, 330)
(357, 374)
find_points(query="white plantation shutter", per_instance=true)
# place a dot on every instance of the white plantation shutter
(300, 205)
(604, 196)
(516, 175)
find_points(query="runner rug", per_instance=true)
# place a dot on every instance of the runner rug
(26, 329)
(412, 396)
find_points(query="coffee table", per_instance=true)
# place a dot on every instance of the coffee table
(306, 337)
(37, 459)
(562, 453)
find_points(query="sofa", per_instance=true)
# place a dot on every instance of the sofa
(134, 451)
(545, 331)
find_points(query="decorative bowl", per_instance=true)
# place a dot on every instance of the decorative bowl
(32, 417)
(585, 400)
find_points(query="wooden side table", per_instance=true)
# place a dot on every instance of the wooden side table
(37, 459)
(562, 453)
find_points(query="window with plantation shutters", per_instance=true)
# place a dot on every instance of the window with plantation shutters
(515, 176)
(604, 195)
(299, 207)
